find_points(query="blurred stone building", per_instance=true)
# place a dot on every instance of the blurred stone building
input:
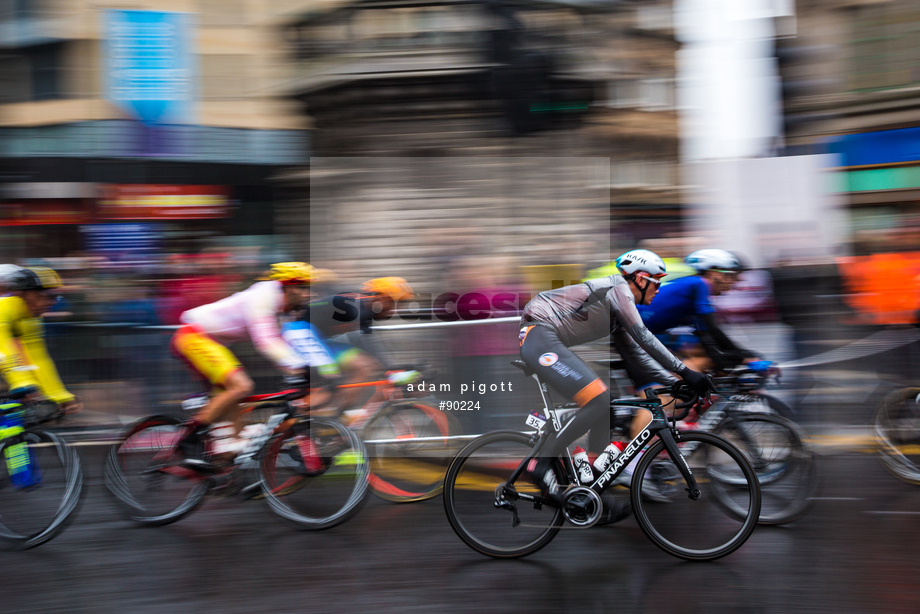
(456, 96)
(851, 71)
(70, 124)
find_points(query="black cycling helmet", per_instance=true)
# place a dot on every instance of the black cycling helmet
(35, 278)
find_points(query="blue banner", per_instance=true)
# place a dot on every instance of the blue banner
(150, 65)
(882, 147)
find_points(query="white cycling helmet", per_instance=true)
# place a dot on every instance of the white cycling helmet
(719, 259)
(642, 261)
(8, 274)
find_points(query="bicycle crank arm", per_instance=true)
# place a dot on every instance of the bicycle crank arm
(502, 503)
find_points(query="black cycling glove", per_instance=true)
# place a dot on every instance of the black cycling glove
(699, 382)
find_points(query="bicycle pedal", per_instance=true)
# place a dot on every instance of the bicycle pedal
(251, 491)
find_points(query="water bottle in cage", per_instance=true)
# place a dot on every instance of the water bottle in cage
(20, 460)
(608, 455)
(585, 475)
(223, 438)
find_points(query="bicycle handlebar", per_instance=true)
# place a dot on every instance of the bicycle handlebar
(685, 397)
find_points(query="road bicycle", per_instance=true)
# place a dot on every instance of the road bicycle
(41, 477)
(775, 445)
(755, 423)
(409, 443)
(311, 472)
(897, 433)
(497, 507)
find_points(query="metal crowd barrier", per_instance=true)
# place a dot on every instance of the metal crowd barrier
(128, 369)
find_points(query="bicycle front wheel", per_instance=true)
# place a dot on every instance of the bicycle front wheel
(897, 432)
(409, 449)
(696, 530)
(315, 474)
(144, 473)
(785, 466)
(470, 490)
(38, 503)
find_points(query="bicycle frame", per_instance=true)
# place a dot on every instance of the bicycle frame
(659, 426)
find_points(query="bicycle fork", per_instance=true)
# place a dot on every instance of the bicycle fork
(674, 452)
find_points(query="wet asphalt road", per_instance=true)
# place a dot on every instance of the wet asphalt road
(856, 552)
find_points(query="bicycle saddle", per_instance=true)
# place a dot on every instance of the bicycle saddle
(520, 364)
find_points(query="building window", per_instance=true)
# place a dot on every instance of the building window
(46, 71)
(885, 47)
(15, 83)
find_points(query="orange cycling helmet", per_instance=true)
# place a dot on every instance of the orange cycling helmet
(396, 288)
(292, 273)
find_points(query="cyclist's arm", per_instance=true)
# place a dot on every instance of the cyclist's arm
(625, 314)
(723, 351)
(262, 321)
(374, 345)
(356, 318)
(638, 359)
(16, 370)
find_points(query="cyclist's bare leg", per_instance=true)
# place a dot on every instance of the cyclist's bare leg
(360, 367)
(226, 404)
(695, 358)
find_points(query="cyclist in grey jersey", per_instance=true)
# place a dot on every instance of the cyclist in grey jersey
(558, 319)
(578, 320)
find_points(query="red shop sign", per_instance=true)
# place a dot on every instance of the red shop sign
(41, 212)
(159, 202)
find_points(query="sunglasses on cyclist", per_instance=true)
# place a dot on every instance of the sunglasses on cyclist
(654, 280)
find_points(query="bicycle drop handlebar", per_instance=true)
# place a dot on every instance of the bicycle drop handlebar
(680, 391)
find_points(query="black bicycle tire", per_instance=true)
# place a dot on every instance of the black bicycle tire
(888, 451)
(808, 485)
(457, 525)
(351, 507)
(117, 483)
(385, 490)
(70, 501)
(747, 527)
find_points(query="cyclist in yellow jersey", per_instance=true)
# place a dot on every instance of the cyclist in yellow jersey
(24, 359)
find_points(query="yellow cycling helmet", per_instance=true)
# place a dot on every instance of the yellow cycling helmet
(396, 288)
(36, 278)
(291, 273)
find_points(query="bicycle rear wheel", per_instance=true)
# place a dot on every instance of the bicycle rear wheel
(144, 473)
(696, 530)
(315, 474)
(409, 450)
(30, 515)
(785, 466)
(897, 431)
(470, 488)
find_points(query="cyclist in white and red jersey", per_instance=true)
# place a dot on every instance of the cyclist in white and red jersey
(253, 313)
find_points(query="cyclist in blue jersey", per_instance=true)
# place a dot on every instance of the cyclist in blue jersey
(684, 318)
